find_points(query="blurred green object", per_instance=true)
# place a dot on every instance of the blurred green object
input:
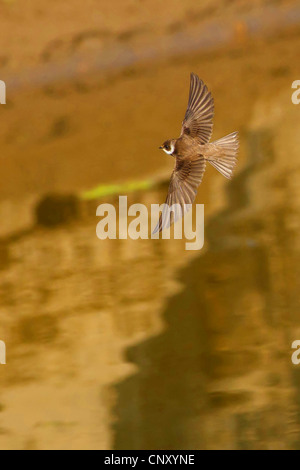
(113, 189)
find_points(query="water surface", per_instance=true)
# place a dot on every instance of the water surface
(140, 344)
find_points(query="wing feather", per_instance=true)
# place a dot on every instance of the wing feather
(198, 120)
(185, 180)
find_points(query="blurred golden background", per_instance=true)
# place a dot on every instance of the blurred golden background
(141, 344)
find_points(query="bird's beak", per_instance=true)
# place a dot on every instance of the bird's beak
(161, 147)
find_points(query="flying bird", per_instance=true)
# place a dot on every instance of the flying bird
(191, 152)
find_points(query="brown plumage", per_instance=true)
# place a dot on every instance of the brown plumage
(192, 150)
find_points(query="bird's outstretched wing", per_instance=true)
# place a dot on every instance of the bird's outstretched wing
(185, 179)
(198, 120)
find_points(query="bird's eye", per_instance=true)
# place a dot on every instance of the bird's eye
(167, 147)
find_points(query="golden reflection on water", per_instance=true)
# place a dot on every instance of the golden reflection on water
(140, 344)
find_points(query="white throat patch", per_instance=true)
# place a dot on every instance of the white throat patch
(169, 152)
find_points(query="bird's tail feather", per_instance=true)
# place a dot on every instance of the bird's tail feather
(225, 157)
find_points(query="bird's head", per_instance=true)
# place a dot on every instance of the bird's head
(168, 146)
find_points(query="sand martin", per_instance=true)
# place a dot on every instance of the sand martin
(191, 152)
